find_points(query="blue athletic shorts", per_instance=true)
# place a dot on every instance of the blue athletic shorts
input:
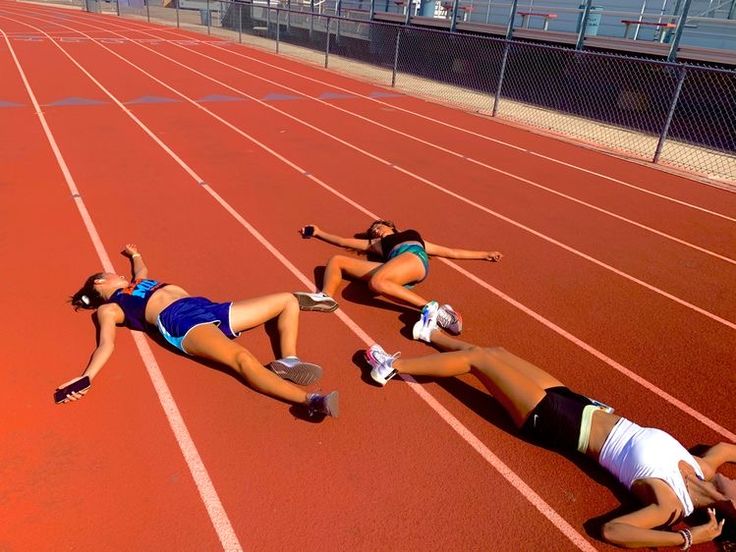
(180, 317)
(415, 249)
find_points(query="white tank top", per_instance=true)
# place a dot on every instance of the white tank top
(632, 452)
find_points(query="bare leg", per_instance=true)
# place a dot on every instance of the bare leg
(389, 280)
(208, 342)
(250, 313)
(340, 265)
(517, 384)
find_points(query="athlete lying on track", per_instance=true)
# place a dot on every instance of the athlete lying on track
(403, 262)
(199, 328)
(658, 470)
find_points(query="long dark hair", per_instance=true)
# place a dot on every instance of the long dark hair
(376, 222)
(88, 297)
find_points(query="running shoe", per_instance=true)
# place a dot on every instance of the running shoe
(382, 364)
(427, 322)
(323, 405)
(449, 319)
(320, 302)
(294, 369)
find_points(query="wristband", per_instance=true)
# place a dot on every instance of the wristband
(134, 255)
(688, 536)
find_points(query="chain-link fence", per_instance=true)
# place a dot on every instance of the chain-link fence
(680, 115)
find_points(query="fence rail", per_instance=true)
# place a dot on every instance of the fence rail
(675, 114)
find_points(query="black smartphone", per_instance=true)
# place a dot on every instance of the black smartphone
(308, 232)
(76, 387)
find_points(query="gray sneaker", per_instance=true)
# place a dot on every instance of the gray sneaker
(294, 369)
(320, 302)
(325, 405)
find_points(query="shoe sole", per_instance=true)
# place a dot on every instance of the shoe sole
(302, 373)
(382, 381)
(306, 303)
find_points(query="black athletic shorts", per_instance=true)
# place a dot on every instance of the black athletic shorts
(555, 421)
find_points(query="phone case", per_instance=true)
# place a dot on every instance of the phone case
(76, 387)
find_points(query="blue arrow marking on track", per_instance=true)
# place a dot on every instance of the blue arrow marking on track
(275, 96)
(379, 94)
(4, 103)
(334, 96)
(76, 101)
(219, 98)
(151, 100)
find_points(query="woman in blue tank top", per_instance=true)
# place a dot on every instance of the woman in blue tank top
(669, 481)
(402, 261)
(200, 328)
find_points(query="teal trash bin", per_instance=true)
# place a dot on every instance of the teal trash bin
(594, 19)
(204, 16)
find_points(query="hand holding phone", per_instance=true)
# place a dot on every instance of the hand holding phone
(77, 386)
(307, 231)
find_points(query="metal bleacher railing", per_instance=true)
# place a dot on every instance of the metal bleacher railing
(680, 115)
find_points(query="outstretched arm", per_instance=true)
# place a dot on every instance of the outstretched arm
(635, 530)
(140, 270)
(334, 239)
(108, 316)
(720, 454)
(451, 253)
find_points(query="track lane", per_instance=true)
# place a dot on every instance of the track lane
(523, 138)
(54, 455)
(403, 476)
(616, 255)
(701, 359)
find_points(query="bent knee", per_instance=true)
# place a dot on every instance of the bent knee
(379, 284)
(337, 260)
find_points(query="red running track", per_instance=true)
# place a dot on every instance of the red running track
(617, 278)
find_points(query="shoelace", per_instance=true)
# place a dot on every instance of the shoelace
(384, 358)
(445, 318)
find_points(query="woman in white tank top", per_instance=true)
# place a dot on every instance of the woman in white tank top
(658, 470)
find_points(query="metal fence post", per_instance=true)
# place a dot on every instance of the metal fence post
(338, 8)
(117, 7)
(148, 10)
(311, 18)
(668, 121)
(373, 10)
(453, 20)
(278, 29)
(583, 25)
(240, 22)
(268, 17)
(288, 16)
(512, 16)
(327, 44)
(177, 13)
(678, 31)
(396, 57)
(502, 73)
(408, 12)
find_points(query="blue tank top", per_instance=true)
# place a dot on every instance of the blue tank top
(133, 300)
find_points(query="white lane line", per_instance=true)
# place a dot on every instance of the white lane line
(207, 492)
(613, 364)
(456, 154)
(538, 502)
(134, 26)
(411, 174)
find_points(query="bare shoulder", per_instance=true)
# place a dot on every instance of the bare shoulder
(110, 313)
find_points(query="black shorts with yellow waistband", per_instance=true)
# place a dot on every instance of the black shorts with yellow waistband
(558, 420)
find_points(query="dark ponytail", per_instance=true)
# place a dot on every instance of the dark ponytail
(88, 297)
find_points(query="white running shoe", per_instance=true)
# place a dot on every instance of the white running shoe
(427, 322)
(320, 301)
(449, 319)
(382, 364)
